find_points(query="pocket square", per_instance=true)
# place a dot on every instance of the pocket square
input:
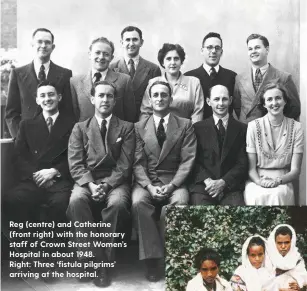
(119, 139)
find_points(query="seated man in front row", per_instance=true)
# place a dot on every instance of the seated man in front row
(221, 162)
(164, 156)
(100, 158)
(41, 149)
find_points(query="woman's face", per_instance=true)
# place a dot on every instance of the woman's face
(274, 101)
(256, 256)
(172, 63)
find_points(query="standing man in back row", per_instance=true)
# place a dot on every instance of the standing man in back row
(211, 73)
(249, 84)
(21, 102)
(139, 69)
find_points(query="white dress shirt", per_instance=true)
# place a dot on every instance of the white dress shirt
(37, 67)
(157, 121)
(224, 120)
(208, 68)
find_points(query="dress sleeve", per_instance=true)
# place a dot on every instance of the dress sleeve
(251, 138)
(298, 146)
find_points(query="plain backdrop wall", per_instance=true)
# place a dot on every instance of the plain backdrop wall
(76, 23)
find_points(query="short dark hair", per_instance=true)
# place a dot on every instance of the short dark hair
(161, 83)
(45, 30)
(255, 241)
(210, 89)
(47, 83)
(258, 36)
(280, 87)
(212, 34)
(104, 82)
(103, 40)
(206, 254)
(132, 28)
(283, 230)
(167, 47)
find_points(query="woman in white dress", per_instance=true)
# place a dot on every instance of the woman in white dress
(275, 145)
(256, 268)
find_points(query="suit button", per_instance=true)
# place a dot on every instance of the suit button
(35, 152)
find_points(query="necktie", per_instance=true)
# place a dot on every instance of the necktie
(49, 122)
(161, 136)
(103, 130)
(131, 68)
(42, 74)
(222, 132)
(97, 76)
(213, 73)
(258, 80)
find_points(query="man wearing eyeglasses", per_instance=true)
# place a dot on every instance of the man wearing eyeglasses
(211, 73)
(23, 83)
(249, 84)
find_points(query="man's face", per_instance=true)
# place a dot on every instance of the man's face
(219, 100)
(257, 52)
(48, 99)
(104, 100)
(160, 98)
(132, 43)
(212, 51)
(100, 56)
(42, 45)
(283, 244)
(209, 270)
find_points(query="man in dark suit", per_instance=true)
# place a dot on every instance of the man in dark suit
(211, 73)
(249, 84)
(100, 158)
(101, 54)
(24, 80)
(164, 156)
(41, 148)
(221, 161)
(139, 69)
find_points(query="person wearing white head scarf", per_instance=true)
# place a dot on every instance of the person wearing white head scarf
(289, 266)
(251, 275)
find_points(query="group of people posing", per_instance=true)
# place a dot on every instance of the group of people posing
(274, 264)
(80, 153)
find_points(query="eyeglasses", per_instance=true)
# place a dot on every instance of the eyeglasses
(210, 48)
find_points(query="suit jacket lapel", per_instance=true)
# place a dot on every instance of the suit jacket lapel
(111, 76)
(29, 78)
(231, 134)
(172, 133)
(212, 137)
(39, 133)
(150, 138)
(140, 74)
(122, 66)
(86, 85)
(55, 75)
(95, 139)
(113, 132)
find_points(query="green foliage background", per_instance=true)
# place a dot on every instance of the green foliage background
(224, 228)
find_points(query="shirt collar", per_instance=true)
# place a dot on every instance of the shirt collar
(54, 116)
(157, 120)
(208, 68)
(263, 69)
(99, 120)
(224, 119)
(103, 74)
(37, 66)
(178, 80)
(135, 59)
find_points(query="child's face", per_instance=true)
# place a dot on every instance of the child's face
(256, 256)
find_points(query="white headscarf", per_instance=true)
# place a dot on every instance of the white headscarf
(254, 278)
(289, 261)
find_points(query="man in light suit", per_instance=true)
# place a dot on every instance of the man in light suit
(210, 73)
(164, 157)
(101, 54)
(139, 69)
(41, 149)
(22, 89)
(221, 161)
(100, 158)
(249, 84)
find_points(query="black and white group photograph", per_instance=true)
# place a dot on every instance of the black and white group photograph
(153, 145)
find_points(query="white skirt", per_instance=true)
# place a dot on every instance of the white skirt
(257, 195)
